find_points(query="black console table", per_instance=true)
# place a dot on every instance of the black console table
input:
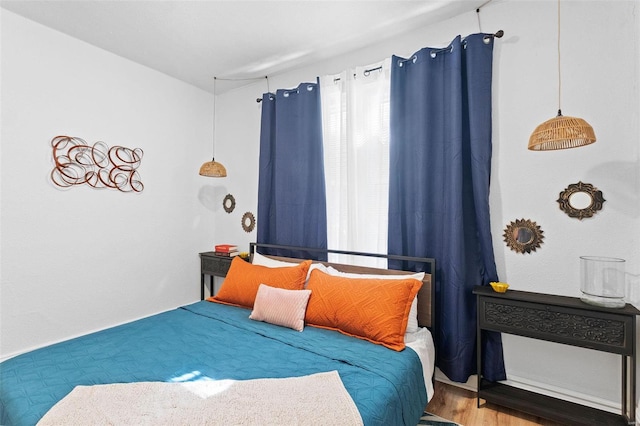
(565, 320)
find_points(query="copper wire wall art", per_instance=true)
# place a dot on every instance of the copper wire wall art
(98, 165)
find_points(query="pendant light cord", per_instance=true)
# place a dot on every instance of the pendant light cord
(559, 71)
(561, 132)
(213, 168)
(214, 117)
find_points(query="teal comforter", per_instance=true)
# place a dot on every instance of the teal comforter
(213, 341)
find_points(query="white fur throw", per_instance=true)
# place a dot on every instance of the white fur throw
(315, 399)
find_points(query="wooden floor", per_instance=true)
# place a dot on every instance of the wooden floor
(459, 405)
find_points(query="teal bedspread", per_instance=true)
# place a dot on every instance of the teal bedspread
(212, 341)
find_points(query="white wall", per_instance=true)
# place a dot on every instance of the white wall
(600, 70)
(83, 259)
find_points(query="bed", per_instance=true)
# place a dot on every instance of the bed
(305, 373)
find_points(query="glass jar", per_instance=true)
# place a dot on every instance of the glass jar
(602, 281)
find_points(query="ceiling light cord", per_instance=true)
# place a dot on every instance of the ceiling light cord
(559, 68)
(213, 168)
(214, 117)
(561, 132)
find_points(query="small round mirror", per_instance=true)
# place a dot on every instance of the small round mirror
(522, 235)
(229, 203)
(248, 222)
(580, 200)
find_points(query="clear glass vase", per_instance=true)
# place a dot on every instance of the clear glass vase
(602, 281)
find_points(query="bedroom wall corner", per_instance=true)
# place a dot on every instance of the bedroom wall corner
(81, 259)
(237, 147)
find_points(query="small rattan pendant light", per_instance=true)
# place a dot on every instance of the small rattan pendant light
(561, 132)
(213, 168)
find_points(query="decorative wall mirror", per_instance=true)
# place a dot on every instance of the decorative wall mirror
(523, 236)
(229, 203)
(580, 200)
(248, 222)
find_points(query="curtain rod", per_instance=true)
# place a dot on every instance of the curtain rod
(497, 34)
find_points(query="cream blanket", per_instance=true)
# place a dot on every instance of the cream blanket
(315, 399)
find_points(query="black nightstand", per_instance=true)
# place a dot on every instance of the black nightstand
(565, 320)
(214, 266)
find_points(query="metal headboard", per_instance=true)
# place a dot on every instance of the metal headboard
(426, 295)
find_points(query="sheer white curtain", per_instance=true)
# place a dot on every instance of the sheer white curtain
(355, 121)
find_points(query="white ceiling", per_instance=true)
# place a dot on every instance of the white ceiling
(196, 40)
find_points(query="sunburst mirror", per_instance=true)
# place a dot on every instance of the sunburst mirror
(248, 222)
(229, 203)
(523, 236)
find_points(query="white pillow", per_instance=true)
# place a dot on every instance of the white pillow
(333, 271)
(412, 320)
(261, 260)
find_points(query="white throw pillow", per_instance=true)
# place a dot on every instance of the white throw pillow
(259, 259)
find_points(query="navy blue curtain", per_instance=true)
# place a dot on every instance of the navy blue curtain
(291, 187)
(440, 164)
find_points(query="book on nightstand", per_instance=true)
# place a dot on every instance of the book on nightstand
(226, 253)
(225, 248)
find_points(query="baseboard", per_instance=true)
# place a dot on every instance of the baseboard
(471, 384)
(566, 394)
(4, 357)
(541, 388)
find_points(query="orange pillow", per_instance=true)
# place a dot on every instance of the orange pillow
(372, 309)
(240, 286)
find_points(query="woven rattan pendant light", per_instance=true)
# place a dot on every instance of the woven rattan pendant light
(561, 132)
(213, 168)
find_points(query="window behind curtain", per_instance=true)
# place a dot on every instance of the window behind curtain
(355, 120)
